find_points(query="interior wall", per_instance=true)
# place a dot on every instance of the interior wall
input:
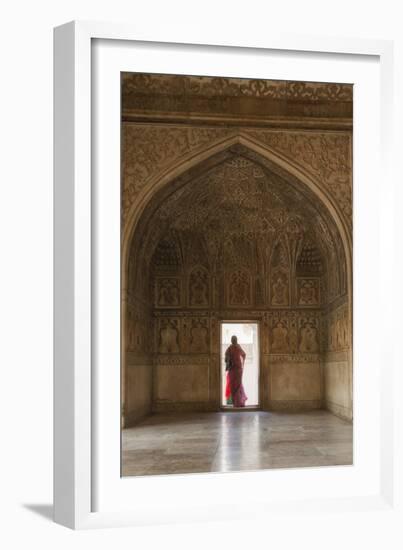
(139, 354)
(235, 237)
(337, 360)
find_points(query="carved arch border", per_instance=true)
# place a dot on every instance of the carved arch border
(169, 174)
(198, 268)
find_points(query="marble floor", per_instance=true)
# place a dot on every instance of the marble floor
(177, 443)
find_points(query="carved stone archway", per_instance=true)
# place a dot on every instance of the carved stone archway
(275, 161)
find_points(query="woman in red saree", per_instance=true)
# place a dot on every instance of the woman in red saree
(235, 359)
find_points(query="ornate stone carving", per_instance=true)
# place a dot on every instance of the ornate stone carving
(280, 276)
(144, 83)
(150, 149)
(168, 292)
(327, 156)
(259, 292)
(309, 337)
(338, 328)
(293, 332)
(308, 292)
(279, 288)
(138, 326)
(199, 336)
(169, 336)
(167, 253)
(279, 337)
(199, 288)
(239, 288)
(310, 259)
(295, 358)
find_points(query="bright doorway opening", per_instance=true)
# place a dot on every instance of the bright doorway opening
(248, 338)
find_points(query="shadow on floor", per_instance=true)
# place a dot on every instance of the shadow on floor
(44, 510)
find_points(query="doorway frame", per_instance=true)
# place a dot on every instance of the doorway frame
(257, 407)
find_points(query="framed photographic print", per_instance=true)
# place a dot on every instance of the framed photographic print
(237, 274)
(219, 228)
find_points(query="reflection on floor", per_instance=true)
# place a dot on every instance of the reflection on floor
(222, 442)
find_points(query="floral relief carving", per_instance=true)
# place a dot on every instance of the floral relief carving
(150, 149)
(199, 336)
(169, 336)
(338, 329)
(292, 332)
(198, 288)
(309, 337)
(327, 156)
(274, 89)
(142, 84)
(168, 292)
(239, 288)
(319, 91)
(308, 292)
(279, 337)
(279, 288)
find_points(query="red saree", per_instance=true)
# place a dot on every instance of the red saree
(235, 356)
(228, 397)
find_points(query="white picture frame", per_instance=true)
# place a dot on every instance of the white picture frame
(87, 491)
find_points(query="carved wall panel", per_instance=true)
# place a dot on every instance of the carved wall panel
(264, 224)
(239, 289)
(168, 336)
(280, 342)
(293, 337)
(337, 359)
(199, 336)
(149, 149)
(292, 332)
(280, 276)
(338, 329)
(308, 292)
(168, 292)
(139, 327)
(199, 288)
(280, 288)
(145, 92)
(309, 337)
